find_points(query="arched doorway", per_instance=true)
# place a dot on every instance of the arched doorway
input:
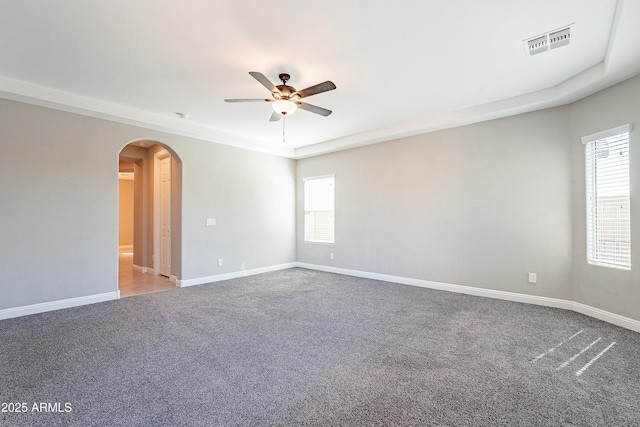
(151, 263)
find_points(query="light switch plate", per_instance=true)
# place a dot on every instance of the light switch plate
(211, 222)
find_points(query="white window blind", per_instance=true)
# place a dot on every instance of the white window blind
(608, 198)
(319, 209)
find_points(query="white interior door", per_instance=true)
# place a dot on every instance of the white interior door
(165, 216)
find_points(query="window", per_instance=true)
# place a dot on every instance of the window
(319, 205)
(608, 198)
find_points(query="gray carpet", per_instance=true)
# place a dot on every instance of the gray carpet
(299, 347)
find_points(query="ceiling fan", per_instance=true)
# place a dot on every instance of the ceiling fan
(286, 99)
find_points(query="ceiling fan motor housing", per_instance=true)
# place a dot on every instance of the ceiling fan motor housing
(285, 91)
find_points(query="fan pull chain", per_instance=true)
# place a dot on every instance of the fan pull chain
(284, 121)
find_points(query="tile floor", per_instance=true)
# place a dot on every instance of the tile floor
(132, 282)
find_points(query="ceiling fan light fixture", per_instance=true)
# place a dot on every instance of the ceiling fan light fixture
(284, 106)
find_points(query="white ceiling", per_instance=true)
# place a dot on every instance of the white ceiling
(401, 67)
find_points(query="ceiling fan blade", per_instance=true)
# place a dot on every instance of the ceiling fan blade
(316, 89)
(248, 100)
(264, 81)
(275, 117)
(314, 109)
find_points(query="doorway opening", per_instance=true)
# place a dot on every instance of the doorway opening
(149, 216)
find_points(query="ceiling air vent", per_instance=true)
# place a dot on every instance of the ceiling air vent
(549, 40)
(560, 37)
(538, 45)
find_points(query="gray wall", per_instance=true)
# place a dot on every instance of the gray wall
(483, 205)
(58, 244)
(480, 205)
(613, 290)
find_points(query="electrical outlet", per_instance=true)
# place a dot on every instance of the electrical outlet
(220, 262)
(331, 255)
(533, 278)
(211, 222)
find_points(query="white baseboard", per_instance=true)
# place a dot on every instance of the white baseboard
(597, 313)
(140, 269)
(470, 290)
(149, 270)
(91, 299)
(57, 305)
(234, 275)
(606, 316)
